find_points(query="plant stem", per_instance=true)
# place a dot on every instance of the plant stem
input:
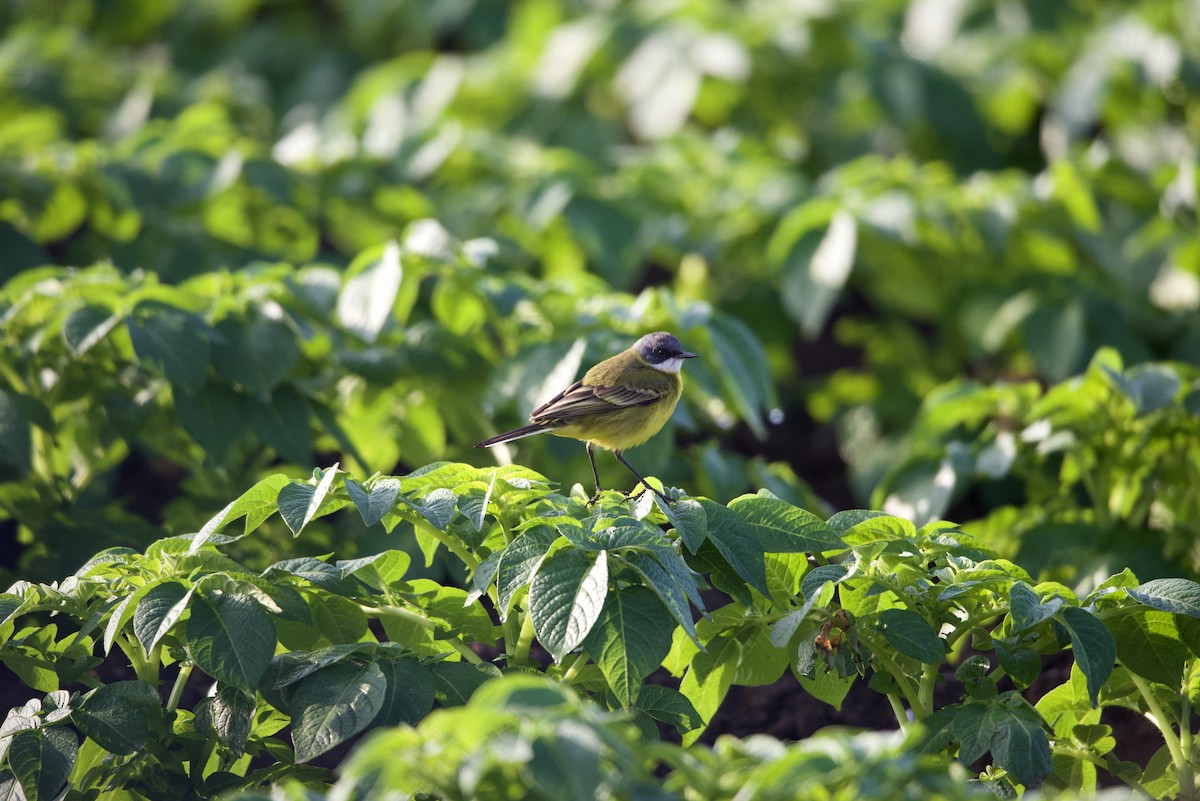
(452, 544)
(402, 613)
(898, 711)
(177, 690)
(929, 677)
(1157, 716)
(573, 670)
(1075, 753)
(902, 680)
(524, 640)
(466, 651)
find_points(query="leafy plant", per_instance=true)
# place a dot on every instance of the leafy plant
(325, 649)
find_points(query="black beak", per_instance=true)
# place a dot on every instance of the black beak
(683, 354)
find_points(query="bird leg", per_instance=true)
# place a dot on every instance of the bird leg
(643, 481)
(592, 458)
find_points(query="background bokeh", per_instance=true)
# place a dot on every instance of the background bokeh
(243, 236)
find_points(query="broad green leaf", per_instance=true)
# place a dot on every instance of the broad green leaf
(231, 713)
(292, 666)
(826, 685)
(1148, 643)
(299, 502)
(1026, 608)
(334, 704)
(738, 543)
(158, 611)
(456, 682)
(42, 761)
(365, 302)
(668, 705)
(1177, 595)
(437, 506)
(565, 598)
(664, 585)
(256, 504)
(231, 637)
(410, 692)
(783, 528)
(878, 528)
(214, 416)
(911, 635)
(1020, 744)
(86, 327)
(709, 678)
(1022, 664)
(519, 561)
(117, 715)
(741, 366)
(630, 639)
(372, 504)
(255, 353)
(173, 341)
(15, 438)
(688, 518)
(565, 762)
(1095, 650)
(816, 269)
(283, 423)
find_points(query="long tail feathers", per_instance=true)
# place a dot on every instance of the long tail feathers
(516, 433)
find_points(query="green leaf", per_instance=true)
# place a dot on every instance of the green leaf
(173, 341)
(668, 705)
(456, 682)
(1148, 643)
(630, 639)
(42, 760)
(437, 506)
(742, 369)
(372, 284)
(256, 504)
(688, 518)
(1095, 650)
(85, 327)
(334, 704)
(231, 637)
(565, 762)
(292, 666)
(566, 597)
(518, 563)
(1023, 665)
(231, 714)
(1020, 744)
(372, 505)
(709, 678)
(299, 502)
(158, 611)
(214, 416)
(117, 715)
(665, 586)
(826, 685)
(783, 528)
(1026, 608)
(254, 354)
(911, 635)
(15, 438)
(410, 692)
(282, 423)
(1177, 595)
(738, 543)
(817, 267)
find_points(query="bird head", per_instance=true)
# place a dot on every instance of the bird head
(662, 351)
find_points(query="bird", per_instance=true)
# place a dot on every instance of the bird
(618, 404)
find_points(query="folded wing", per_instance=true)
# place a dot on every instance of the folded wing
(579, 400)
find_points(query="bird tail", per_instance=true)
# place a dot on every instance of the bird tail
(516, 433)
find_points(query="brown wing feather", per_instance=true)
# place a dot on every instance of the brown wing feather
(579, 400)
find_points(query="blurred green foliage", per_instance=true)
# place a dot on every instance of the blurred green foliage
(197, 201)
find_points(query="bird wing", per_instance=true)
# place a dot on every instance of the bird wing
(581, 399)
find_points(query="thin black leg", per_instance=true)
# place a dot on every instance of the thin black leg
(592, 458)
(621, 459)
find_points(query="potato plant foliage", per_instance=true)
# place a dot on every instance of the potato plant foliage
(939, 260)
(310, 652)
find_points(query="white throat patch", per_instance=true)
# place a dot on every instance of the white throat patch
(669, 366)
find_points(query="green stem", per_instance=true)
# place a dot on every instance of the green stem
(898, 711)
(524, 640)
(573, 670)
(929, 677)
(512, 633)
(1075, 753)
(902, 680)
(466, 651)
(454, 545)
(141, 667)
(970, 623)
(177, 690)
(1157, 716)
(197, 767)
(400, 612)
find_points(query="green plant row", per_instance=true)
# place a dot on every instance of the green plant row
(308, 653)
